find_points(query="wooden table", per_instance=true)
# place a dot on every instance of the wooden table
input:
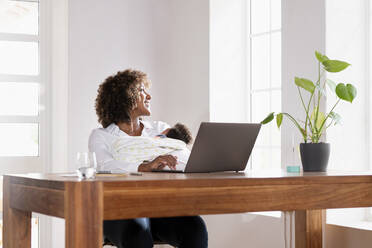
(85, 204)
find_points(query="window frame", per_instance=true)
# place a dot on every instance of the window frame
(368, 59)
(24, 164)
(270, 89)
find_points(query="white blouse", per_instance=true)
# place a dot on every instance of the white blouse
(101, 140)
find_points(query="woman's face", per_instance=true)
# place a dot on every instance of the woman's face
(143, 102)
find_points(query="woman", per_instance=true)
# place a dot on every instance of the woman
(121, 102)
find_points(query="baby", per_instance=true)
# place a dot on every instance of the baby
(179, 131)
(136, 149)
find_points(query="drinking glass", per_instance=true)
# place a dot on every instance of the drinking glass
(86, 159)
(86, 163)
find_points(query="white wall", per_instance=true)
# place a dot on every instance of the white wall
(52, 234)
(346, 237)
(303, 32)
(245, 231)
(59, 85)
(181, 62)
(347, 37)
(347, 40)
(229, 47)
(103, 39)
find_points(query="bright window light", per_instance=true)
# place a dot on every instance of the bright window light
(260, 16)
(18, 57)
(19, 17)
(19, 99)
(19, 139)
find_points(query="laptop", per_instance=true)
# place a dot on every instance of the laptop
(221, 147)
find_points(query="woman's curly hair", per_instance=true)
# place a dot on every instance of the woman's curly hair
(118, 95)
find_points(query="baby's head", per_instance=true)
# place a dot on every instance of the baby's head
(181, 132)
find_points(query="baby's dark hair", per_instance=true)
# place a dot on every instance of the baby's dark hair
(181, 132)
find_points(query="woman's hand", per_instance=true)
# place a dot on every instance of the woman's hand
(159, 163)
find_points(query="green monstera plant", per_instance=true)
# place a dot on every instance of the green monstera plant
(316, 122)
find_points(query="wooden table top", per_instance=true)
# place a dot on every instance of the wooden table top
(278, 177)
(172, 194)
(267, 175)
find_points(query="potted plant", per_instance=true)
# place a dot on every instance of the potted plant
(314, 153)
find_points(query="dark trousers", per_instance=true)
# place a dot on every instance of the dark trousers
(182, 232)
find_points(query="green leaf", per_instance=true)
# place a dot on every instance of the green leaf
(331, 85)
(303, 132)
(335, 117)
(320, 57)
(319, 121)
(305, 84)
(352, 91)
(279, 119)
(335, 65)
(346, 92)
(269, 118)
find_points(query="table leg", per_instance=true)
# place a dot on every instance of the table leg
(17, 223)
(83, 214)
(308, 228)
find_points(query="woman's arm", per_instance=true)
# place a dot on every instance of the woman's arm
(99, 144)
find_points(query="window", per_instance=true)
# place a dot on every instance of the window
(21, 86)
(265, 79)
(245, 71)
(368, 77)
(22, 91)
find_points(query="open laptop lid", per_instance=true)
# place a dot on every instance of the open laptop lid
(222, 147)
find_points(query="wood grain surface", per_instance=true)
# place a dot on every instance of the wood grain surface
(83, 214)
(17, 224)
(56, 181)
(39, 200)
(188, 200)
(309, 228)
